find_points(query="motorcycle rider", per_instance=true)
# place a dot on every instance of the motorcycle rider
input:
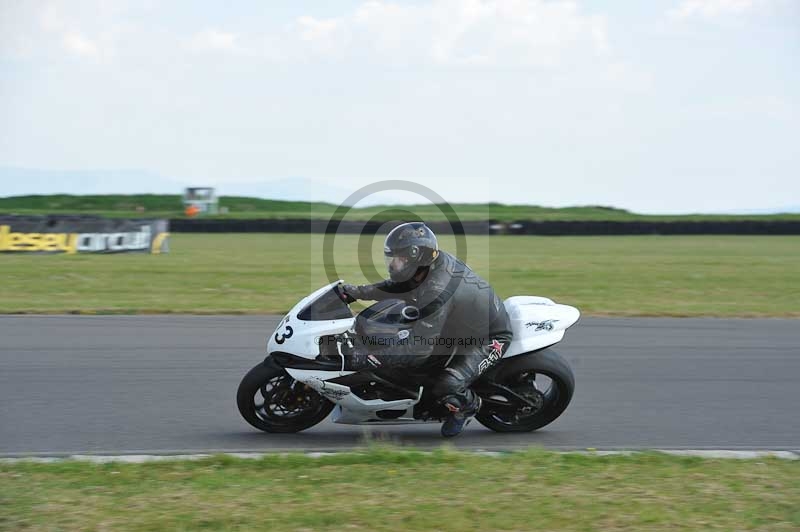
(453, 302)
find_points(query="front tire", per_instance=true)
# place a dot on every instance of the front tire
(514, 373)
(285, 405)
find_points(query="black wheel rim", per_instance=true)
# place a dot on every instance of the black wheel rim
(510, 408)
(282, 399)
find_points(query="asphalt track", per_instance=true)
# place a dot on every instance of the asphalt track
(167, 384)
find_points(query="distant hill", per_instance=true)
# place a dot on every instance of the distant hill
(169, 206)
(19, 181)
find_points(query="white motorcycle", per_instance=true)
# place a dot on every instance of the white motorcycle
(303, 377)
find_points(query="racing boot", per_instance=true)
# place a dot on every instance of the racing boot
(459, 416)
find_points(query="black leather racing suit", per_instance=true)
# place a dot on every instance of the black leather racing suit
(457, 307)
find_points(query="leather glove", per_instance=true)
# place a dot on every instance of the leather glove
(348, 292)
(358, 359)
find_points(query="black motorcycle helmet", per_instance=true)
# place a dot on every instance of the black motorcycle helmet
(407, 248)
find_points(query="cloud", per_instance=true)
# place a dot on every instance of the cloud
(79, 44)
(461, 32)
(215, 41)
(312, 29)
(450, 33)
(711, 8)
(86, 29)
(322, 36)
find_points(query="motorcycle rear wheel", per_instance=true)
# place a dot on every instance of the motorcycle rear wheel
(515, 373)
(285, 405)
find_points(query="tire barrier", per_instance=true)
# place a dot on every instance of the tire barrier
(313, 226)
(544, 228)
(738, 227)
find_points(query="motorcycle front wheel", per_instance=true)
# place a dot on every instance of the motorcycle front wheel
(526, 392)
(271, 400)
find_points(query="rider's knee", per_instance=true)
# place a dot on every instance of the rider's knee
(450, 383)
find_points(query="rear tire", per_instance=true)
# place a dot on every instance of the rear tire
(265, 377)
(556, 400)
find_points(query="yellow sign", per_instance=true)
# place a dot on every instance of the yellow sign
(64, 242)
(80, 242)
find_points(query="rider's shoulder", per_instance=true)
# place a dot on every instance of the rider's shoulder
(448, 263)
(453, 267)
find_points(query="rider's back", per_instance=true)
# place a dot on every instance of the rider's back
(471, 306)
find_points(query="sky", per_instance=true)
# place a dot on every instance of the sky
(664, 106)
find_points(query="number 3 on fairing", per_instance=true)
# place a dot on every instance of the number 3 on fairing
(280, 338)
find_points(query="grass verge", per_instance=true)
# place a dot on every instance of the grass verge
(389, 489)
(267, 273)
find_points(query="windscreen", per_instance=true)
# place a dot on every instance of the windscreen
(327, 307)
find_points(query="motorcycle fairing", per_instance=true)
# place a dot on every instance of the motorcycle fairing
(537, 322)
(350, 408)
(301, 337)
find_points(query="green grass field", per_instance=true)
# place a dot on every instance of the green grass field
(169, 206)
(396, 490)
(268, 273)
